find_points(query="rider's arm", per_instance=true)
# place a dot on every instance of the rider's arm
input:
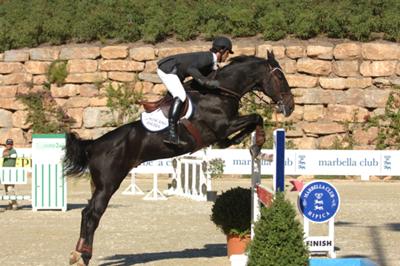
(202, 80)
(196, 74)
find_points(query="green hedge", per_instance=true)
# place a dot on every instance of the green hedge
(30, 23)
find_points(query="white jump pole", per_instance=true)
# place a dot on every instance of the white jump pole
(255, 181)
(278, 177)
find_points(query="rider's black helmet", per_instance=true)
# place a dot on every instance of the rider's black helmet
(222, 43)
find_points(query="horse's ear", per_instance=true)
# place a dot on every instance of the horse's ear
(270, 55)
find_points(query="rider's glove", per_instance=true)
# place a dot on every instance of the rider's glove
(210, 83)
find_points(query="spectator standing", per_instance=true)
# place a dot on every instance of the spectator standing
(9, 160)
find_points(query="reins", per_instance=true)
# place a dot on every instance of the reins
(230, 93)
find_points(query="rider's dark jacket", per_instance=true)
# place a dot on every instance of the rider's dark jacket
(197, 65)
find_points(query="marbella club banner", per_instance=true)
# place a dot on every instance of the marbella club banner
(297, 162)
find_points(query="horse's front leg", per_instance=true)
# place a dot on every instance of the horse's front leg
(243, 126)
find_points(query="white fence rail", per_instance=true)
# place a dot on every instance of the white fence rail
(14, 175)
(48, 185)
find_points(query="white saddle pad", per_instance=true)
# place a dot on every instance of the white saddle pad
(156, 120)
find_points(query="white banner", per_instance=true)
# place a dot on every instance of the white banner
(342, 162)
(298, 162)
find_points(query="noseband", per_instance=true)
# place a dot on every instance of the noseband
(280, 101)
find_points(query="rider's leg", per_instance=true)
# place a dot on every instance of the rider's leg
(174, 112)
(175, 87)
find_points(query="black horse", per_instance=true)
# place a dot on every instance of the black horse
(111, 157)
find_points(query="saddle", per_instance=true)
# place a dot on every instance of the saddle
(156, 114)
(164, 104)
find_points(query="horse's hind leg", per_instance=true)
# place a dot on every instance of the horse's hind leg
(91, 215)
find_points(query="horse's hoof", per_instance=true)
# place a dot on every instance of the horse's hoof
(74, 257)
(81, 263)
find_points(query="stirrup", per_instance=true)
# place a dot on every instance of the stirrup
(174, 142)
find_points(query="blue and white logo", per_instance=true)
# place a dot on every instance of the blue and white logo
(319, 201)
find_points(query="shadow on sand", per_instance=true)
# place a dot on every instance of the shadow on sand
(209, 250)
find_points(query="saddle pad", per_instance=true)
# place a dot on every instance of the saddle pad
(157, 121)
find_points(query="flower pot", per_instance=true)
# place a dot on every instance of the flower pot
(236, 244)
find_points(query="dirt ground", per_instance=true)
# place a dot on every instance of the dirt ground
(179, 231)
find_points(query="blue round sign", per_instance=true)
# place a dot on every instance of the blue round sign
(319, 201)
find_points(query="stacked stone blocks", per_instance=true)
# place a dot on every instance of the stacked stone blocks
(333, 82)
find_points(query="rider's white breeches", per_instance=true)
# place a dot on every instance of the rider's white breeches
(173, 84)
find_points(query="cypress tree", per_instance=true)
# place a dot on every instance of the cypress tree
(279, 237)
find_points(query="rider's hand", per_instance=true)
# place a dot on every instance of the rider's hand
(212, 84)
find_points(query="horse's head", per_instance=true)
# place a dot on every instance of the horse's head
(246, 73)
(275, 85)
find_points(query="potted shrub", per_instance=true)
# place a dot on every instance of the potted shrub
(231, 212)
(279, 237)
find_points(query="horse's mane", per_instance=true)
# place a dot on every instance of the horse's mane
(246, 58)
(241, 61)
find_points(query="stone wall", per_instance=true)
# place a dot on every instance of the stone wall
(332, 80)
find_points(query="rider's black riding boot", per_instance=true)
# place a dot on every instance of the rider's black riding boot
(174, 113)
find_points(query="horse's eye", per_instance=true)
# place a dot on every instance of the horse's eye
(280, 75)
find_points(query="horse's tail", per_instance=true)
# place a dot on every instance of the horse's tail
(76, 159)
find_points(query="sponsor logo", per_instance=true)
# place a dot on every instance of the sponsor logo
(319, 201)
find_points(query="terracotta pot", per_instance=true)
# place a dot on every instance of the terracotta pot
(237, 244)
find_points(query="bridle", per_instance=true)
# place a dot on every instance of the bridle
(238, 96)
(280, 101)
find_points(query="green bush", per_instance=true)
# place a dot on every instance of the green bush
(122, 101)
(240, 21)
(216, 167)
(388, 123)
(389, 22)
(278, 239)
(211, 18)
(157, 25)
(44, 114)
(31, 23)
(184, 28)
(307, 25)
(57, 72)
(274, 26)
(231, 211)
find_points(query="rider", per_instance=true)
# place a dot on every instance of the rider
(172, 70)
